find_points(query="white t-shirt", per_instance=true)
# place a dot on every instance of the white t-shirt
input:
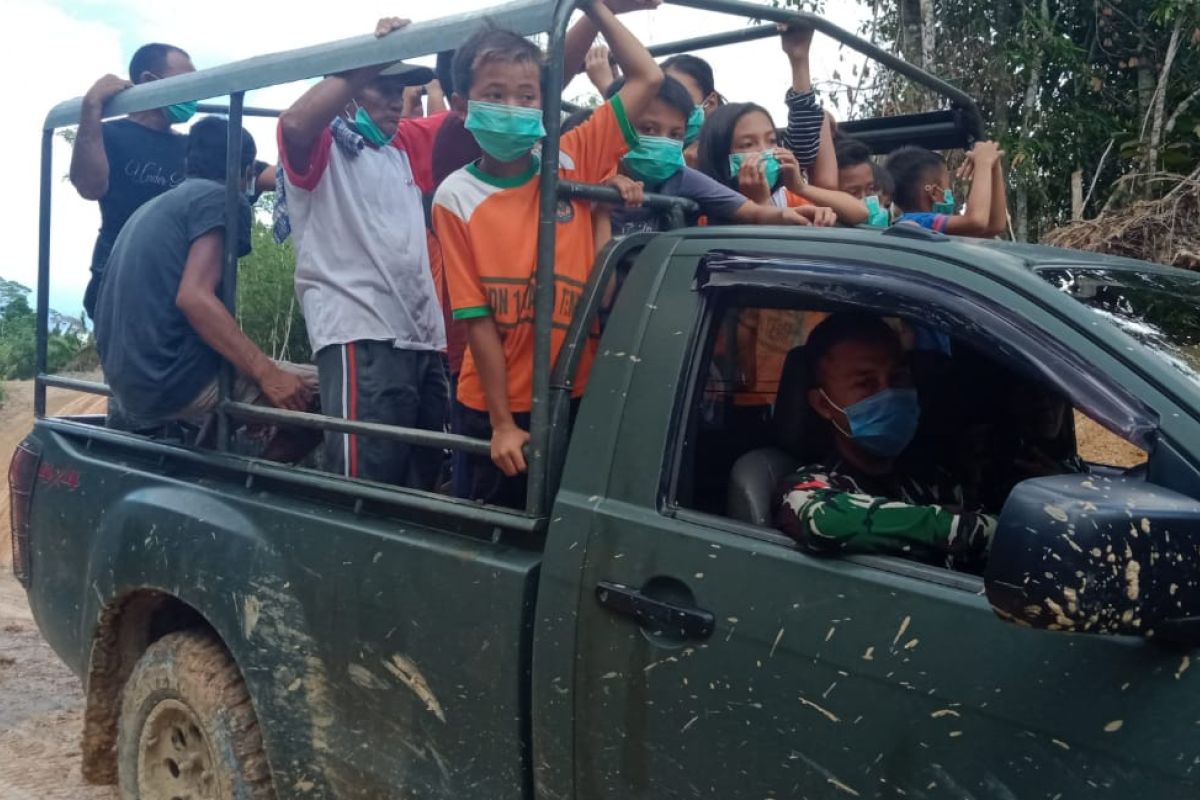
(362, 260)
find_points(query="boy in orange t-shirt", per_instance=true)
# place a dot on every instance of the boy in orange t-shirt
(486, 218)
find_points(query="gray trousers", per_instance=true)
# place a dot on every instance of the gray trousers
(376, 382)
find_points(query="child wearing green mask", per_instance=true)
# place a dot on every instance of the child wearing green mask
(486, 219)
(696, 76)
(739, 147)
(924, 197)
(657, 165)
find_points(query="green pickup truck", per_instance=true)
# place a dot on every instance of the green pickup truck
(249, 630)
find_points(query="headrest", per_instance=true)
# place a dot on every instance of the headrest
(798, 429)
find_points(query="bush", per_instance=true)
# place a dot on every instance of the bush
(18, 342)
(267, 308)
(267, 311)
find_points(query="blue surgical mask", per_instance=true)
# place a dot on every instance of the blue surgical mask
(947, 206)
(883, 423)
(770, 166)
(181, 112)
(877, 215)
(694, 123)
(369, 130)
(504, 132)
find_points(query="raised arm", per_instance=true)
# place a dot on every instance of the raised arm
(980, 167)
(197, 299)
(435, 98)
(89, 162)
(805, 116)
(998, 221)
(598, 68)
(582, 34)
(642, 73)
(301, 125)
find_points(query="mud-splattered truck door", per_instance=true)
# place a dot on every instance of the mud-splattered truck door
(716, 660)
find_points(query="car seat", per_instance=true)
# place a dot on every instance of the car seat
(799, 438)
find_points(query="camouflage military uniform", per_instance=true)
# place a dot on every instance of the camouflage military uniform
(831, 509)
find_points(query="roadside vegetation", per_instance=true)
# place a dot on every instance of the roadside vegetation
(1097, 105)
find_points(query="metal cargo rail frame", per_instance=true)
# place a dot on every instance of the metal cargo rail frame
(954, 126)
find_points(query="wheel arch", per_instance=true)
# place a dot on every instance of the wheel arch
(127, 626)
(173, 556)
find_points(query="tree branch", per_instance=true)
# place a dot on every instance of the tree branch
(1180, 109)
(1160, 96)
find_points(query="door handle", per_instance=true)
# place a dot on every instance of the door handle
(666, 618)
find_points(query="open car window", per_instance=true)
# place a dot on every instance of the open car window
(1098, 446)
(988, 421)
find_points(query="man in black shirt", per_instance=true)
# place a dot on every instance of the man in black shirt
(161, 328)
(125, 162)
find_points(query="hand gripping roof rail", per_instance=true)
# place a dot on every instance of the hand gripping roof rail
(419, 39)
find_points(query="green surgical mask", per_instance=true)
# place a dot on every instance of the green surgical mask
(178, 113)
(655, 159)
(504, 132)
(369, 130)
(770, 166)
(947, 206)
(877, 215)
(694, 123)
(181, 112)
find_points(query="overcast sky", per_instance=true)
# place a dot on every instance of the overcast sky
(52, 50)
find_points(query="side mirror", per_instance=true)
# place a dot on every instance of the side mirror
(1091, 554)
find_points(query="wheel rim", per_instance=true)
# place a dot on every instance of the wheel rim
(175, 761)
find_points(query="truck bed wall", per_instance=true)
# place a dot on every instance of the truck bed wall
(380, 653)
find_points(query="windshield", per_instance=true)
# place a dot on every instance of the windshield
(1160, 310)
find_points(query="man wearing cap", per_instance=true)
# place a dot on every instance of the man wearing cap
(354, 171)
(125, 162)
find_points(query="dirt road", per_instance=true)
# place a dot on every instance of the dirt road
(41, 701)
(41, 712)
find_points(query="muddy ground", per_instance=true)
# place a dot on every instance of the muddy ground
(41, 711)
(41, 701)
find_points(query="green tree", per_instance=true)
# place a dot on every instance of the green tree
(18, 337)
(18, 344)
(1095, 101)
(267, 308)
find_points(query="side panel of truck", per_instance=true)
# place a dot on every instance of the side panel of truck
(584, 483)
(385, 658)
(829, 678)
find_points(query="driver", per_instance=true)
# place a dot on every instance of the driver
(861, 498)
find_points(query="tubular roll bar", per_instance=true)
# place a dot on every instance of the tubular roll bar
(741, 8)
(525, 17)
(247, 111)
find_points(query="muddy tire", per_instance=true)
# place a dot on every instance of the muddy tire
(187, 729)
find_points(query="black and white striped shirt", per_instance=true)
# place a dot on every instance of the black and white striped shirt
(803, 134)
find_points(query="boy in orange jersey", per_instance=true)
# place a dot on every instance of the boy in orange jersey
(485, 216)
